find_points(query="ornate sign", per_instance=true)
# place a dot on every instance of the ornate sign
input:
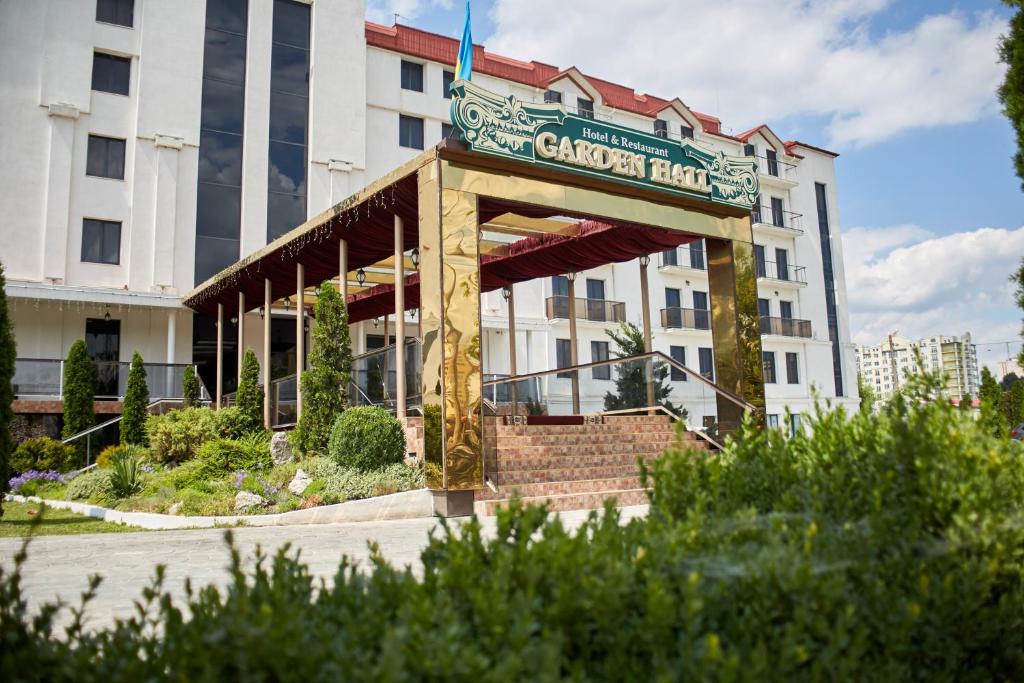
(545, 134)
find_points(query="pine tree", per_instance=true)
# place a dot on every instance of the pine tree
(631, 378)
(79, 389)
(325, 384)
(966, 403)
(189, 387)
(7, 356)
(250, 393)
(866, 393)
(990, 396)
(1011, 92)
(136, 403)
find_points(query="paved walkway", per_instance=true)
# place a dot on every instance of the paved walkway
(59, 566)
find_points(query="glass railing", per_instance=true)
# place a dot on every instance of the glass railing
(685, 318)
(38, 378)
(374, 376)
(503, 395)
(784, 220)
(283, 405)
(43, 378)
(786, 327)
(781, 272)
(599, 310)
(642, 384)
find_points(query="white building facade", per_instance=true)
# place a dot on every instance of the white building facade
(885, 367)
(151, 144)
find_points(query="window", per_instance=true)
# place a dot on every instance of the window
(786, 309)
(585, 108)
(764, 308)
(831, 311)
(105, 157)
(553, 97)
(773, 162)
(686, 131)
(110, 73)
(670, 257)
(596, 309)
(598, 353)
(749, 151)
(103, 341)
(755, 212)
(759, 261)
(410, 132)
(661, 128)
(773, 420)
(768, 366)
(782, 264)
(672, 298)
(563, 357)
(447, 131)
(697, 255)
(706, 361)
(792, 369)
(118, 12)
(412, 76)
(701, 313)
(777, 215)
(447, 78)
(795, 424)
(559, 285)
(101, 241)
(678, 354)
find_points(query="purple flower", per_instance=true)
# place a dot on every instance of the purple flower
(147, 468)
(50, 475)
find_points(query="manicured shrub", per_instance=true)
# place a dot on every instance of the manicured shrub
(176, 435)
(367, 438)
(78, 392)
(8, 353)
(104, 458)
(189, 387)
(136, 401)
(93, 486)
(222, 456)
(44, 453)
(231, 423)
(250, 394)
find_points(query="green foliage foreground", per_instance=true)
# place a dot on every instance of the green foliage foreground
(874, 547)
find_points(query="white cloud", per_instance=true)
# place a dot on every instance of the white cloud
(384, 11)
(906, 279)
(751, 62)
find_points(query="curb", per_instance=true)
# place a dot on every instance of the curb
(404, 505)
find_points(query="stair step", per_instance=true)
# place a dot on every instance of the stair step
(503, 478)
(555, 488)
(569, 501)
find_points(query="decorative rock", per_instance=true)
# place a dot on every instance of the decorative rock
(300, 482)
(280, 448)
(174, 509)
(246, 499)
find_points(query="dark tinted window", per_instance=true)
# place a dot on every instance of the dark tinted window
(291, 24)
(447, 131)
(778, 219)
(447, 78)
(110, 73)
(678, 354)
(697, 255)
(227, 15)
(764, 308)
(759, 261)
(101, 241)
(585, 108)
(559, 285)
(831, 310)
(707, 363)
(792, 368)
(553, 96)
(103, 340)
(410, 132)
(598, 353)
(120, 12)
(223, 106)
(224, 56)
(786, 309)
(289, 68)
(563, 356)
(213, 255)
(686, 131)
(661, 128)
(672, 299)
(218, 211)
(412, 76)
(105, 157)
(768, 366)
(221, 158)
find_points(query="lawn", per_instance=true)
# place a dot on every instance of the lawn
(23, 519)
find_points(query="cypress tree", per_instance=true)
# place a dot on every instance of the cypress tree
(136, 402)
(7, 355)
(631, 378)
(990, 396)
(250, 393)
(189, 387)
(79, 389)
(325, 384)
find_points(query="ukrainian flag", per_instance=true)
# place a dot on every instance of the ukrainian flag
(464, 61)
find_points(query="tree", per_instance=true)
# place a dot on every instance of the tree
(79, 390)
(189, 387)
(631, 378)
(325, 384)
(250, 393)
(7, 355)
(136, 404)
(990, 396)
(1011, 92)
(1013, 404)
(966, 403)
(1018, 279)
(866, 393)
(1008, 380)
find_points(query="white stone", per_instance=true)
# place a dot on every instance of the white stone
(280, 448)
(246, 499)
(300, 482)
(174, 509)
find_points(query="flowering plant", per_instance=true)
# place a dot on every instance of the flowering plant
(27, 482)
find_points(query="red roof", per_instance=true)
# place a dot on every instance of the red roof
(438, 48)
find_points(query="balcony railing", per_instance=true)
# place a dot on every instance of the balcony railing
(784, 220)
(786, 327)
(686, 318)
(775, 167)
(598, 310)
(684, 257)
(41, 378)
(781, 272)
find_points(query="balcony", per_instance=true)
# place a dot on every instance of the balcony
(43, 378)
(786, 327)
(776, 172)
(781, 272)
(786, 223)
(685, 319)
(684, 257)
(596, 310)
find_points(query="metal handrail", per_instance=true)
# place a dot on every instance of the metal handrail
(87, 433)
(596, 310)
(785, 327)
(769, 270)
(678, 418)
(677, 318)
(786, 219)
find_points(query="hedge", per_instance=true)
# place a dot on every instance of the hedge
(366, 438)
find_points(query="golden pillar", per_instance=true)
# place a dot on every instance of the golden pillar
(450, 322)
(735, 327)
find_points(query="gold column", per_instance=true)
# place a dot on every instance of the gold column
(735, 326)
(645, 301)
(399, 317)
(300, 335)
(267, 301)
(241, 336)
(573, 351)
(220, 354)
(450, 320)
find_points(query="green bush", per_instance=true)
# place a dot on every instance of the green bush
(126, 473)
(78, 392)
(336, 484)
(366, 438)
(177, 435)
(136, 401)
(43, 453)
(93, 486)
(189, 387)
(223, 456)
(250, 394)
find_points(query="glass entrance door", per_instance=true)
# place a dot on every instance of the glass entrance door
(103, 340)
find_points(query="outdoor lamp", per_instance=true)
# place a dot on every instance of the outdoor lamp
(360, 276)
(316, 291)
(234, 320)
(645, 260)
(506, 292)
(106, 316)
(263, 313)
(376, 322)
(571, 276)
(415, 256)
(287, 303)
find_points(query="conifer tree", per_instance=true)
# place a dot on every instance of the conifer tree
(79, 389)
(7, 356)
(631, 378)
(250, 393)
(189, 387)
(325, 384)
(990, 396)
(136, 402)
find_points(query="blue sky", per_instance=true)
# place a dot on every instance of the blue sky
(931, 211)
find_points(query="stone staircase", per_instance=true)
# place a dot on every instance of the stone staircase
(572, 467)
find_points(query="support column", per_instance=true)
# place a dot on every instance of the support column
(573, 351)
(399, 317)
(450, 323)
(220, 354)
(343, 270)
(241, 335)
(267, 301)
(735, 327)
(512, 343)
(172, 338)
(645, 302)
(300, 335)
